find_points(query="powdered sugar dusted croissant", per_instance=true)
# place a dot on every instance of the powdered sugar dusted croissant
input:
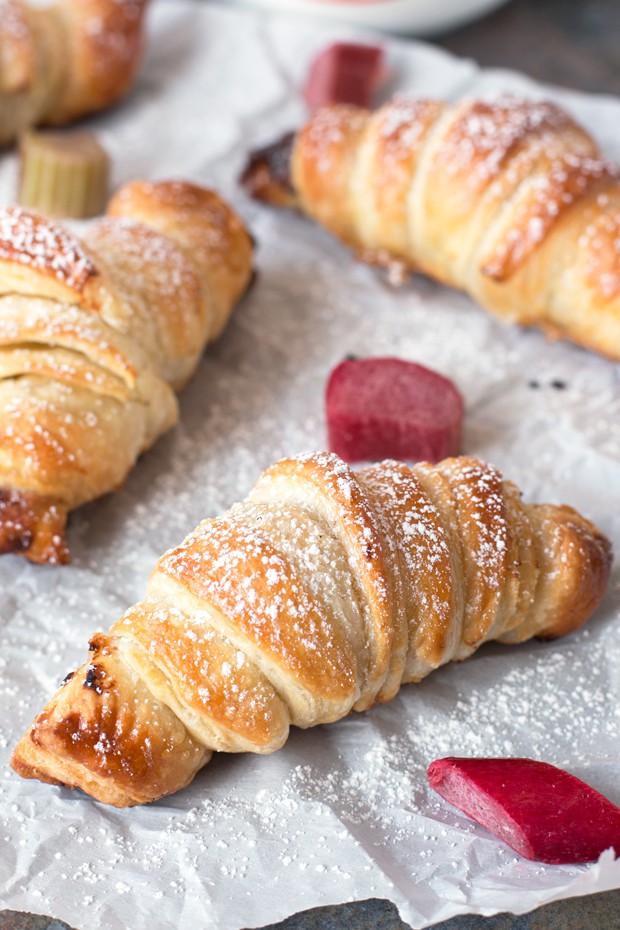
(319, 594)
(64, 61)
(510, 201)
(95, 337)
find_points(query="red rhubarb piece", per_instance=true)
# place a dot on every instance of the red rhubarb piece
(344, 73)
(540, 811)
(388, 408)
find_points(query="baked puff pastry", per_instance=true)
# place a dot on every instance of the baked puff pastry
(64, 61)
(96, 335)
(510, 201)
(321, 593)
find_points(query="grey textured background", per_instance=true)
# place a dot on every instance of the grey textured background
(598, 912)
(575, 43)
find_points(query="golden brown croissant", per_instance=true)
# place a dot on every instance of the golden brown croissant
(510, 201)
(319, 594)
(95, 337)
(62, 62)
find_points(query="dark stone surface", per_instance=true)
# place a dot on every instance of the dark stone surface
(12, 920)
(575, 43)
(597, 912)
(373, 914)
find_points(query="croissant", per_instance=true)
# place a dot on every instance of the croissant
(95, 337)
(510, 201)
(63, 62)
(319, 594)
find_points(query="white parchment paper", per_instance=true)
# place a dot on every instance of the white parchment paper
(342, 812)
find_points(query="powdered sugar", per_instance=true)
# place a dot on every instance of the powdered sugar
(114, 34)
(538, 206)
(484, 134)
(44, 245)
(12, 21)
(600, 246)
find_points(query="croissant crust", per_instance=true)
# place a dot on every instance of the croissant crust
(62, 62)
(511, 201)
(321, 593)
(96, 335)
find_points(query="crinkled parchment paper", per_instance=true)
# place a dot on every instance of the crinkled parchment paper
(342, 812)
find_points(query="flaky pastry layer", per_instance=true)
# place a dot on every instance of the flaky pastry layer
(63, 61)
(511, 201)
(319, 594)
(96, 335)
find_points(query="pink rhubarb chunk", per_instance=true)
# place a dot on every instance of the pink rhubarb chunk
(344, 73)
(381, 408)
(540, 811)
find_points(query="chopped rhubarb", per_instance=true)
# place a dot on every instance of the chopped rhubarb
(380, 408)
(540, 811)
(344, 73)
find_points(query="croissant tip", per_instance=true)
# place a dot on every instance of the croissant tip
(589, 585)
(267, 174)
(34, 527)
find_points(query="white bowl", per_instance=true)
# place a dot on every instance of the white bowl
(409, 16)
